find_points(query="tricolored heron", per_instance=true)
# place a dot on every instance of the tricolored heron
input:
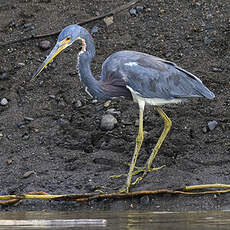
(139, 76)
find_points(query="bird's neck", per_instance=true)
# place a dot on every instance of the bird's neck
(84, 70)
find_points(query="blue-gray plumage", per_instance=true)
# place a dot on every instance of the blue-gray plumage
(133, 75)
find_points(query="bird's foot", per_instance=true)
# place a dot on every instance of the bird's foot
(145, 172)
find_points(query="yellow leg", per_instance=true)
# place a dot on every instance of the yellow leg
(167, 127)
(139, 141)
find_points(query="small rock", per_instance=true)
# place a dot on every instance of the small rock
(133, 12)
(94, 30)
(41, 140)
(28, 119)
(205, 129)
(207, 41)
(107, 103)
(1, 134)
(4, 101)
(20, 124)
(61, 104)
(25, 137)
(29, 26)
(113, 111)
(45, 45)
(9, 161)
(27, 174)
(108, 122)
(215, 69)
(168, 54)
(9, 137)
(26, 25)
(140, 9)
(108, 20)
(78, 104)
(212, 125)
(52, 96)
(4, 76)
(21, 64)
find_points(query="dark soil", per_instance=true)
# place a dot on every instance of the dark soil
(62, 149)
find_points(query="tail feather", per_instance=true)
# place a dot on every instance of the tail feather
(204, 91)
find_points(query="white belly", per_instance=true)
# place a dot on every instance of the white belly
(152, 101)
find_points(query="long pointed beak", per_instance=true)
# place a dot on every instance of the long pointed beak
(55, 51)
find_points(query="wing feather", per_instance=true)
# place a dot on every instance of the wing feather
(152, 77)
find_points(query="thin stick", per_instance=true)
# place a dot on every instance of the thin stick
(204, 186)
(13, 199)
(110, 13)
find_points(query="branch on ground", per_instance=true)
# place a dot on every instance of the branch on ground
(110, 13)
(197, 190)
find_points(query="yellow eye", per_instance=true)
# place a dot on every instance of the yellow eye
(68, 38)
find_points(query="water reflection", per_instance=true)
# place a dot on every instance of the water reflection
(132, 220)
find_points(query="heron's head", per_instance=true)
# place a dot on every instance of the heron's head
(67, 36)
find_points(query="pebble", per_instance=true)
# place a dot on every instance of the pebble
(21, 64)
(25, 137)
(28, 119)
(4, 101)
(108, 20)
(215, 69)
(27, 174)
(108, 122)
(45, 45)
(107, 103)
(9, 137)
(133, 12)
(61, 104)
(78, 104)
(168, 54)
(52, 96)
(140, 9)
(136, 10)
(20, 124)
(212, 125)
(94, 30)
(26, 25)
(207, 41)
(4, 76)
(113, 111)
(29, 26)
(205, 129)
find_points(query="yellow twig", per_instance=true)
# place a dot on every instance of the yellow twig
(13, 199)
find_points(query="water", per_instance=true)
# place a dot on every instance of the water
(132, 220)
